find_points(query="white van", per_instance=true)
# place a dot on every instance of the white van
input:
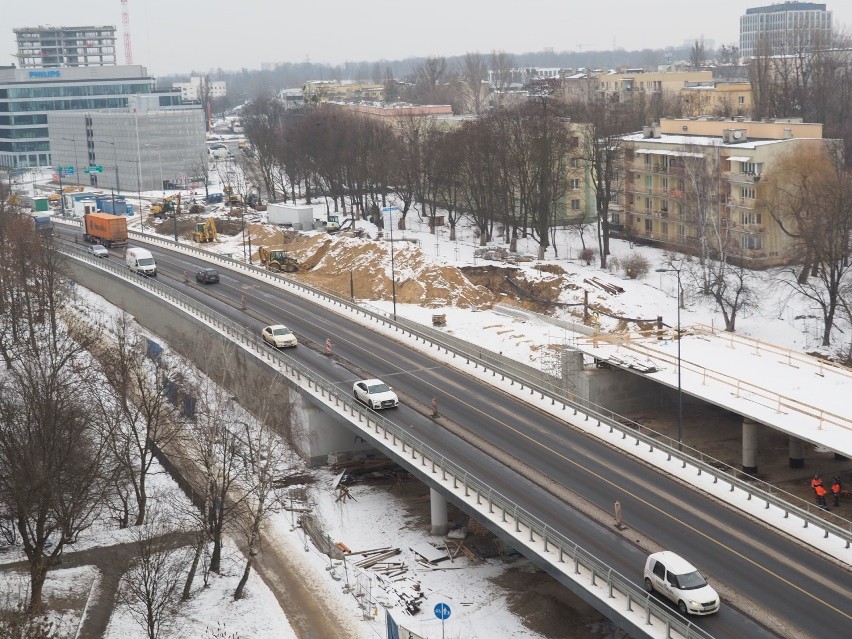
(675, 578)
(141, 261)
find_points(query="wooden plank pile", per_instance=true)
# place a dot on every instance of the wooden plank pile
(613, 289)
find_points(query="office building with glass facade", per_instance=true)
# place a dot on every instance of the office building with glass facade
(27, 96)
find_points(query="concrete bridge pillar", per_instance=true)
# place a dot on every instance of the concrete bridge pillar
(439, 513)
(797, 452)
(750, 431)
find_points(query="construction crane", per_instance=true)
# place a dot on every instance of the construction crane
(125, 21)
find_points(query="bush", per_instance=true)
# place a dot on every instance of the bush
(636, 266)
(588, 254)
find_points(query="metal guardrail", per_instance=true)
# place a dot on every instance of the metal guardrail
(549, 387)
(419, 455)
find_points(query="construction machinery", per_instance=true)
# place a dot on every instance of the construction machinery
(277, 260)
(230, 197)
(168, 205)
(205, 231)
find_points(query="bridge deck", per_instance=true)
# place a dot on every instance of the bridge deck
(795, 393)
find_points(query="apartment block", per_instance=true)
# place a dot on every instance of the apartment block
(686, 178)
(628, 85)
(720, 99)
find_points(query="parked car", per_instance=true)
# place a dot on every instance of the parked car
(279, 336)
(375, 394)
(98, 250)
(207, 276)
(675, 578)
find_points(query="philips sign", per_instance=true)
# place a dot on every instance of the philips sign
(53, 73)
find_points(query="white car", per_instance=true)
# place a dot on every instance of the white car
(375, 394)
(675, 578)
(99, 250)
(279, 336)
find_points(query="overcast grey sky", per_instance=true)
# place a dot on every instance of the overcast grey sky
(178, 36)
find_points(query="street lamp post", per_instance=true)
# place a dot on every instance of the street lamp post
(139, 196)
(389, 210)
(76, 163)
(115, 159)
(677, 272)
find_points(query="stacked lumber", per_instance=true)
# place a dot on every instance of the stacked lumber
(613, 289)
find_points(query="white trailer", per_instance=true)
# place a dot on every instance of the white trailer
(299, 217)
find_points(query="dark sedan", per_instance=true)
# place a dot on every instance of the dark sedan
(207, 276)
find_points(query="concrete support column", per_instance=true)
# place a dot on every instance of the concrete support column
(750, 446)
(797, 452)
(438, 505)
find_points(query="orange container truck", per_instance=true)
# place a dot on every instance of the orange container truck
(104, 228)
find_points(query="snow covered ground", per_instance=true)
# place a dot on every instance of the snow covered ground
(479, 609)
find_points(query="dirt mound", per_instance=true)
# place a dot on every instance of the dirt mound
(361, 268)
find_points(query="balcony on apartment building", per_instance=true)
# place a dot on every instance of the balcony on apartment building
(743, 178)
(661, 168)
(738, 202)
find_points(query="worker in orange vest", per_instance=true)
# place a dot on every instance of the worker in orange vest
(821, 492)
(816, 481)
(836, 489)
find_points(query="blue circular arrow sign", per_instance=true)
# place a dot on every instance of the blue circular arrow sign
(442, 611)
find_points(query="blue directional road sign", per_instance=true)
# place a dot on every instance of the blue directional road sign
(442, 611)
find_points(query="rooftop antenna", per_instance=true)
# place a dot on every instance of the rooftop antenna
(125, 21)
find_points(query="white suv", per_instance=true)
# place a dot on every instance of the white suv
(674, 577)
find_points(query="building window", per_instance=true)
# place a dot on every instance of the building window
(741, 99)
(664, 229)
(649, 225)
(575, 163)
(751, 242)
(665, 181)
(681, 231)
(747, 192)
(575, 205)
(750, 217)
(647, 204)
(575, 184)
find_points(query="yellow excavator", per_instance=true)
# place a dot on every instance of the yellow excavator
(167, 205)
(230, 197)
(205, 231)
(277, 260)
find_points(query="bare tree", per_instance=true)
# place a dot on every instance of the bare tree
(809, 196)
(200, 168)
(474, 75)
(429, 75)
(51, 448)
(148, 590)
(600, 127)
(264, 452)
(212, 444)
(149, 421)
(502, 65)
(696, 54)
